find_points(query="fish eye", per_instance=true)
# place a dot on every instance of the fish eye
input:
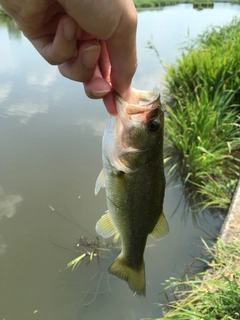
(153, 125)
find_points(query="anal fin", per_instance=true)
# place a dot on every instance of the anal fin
(105, 226)
(161, 229)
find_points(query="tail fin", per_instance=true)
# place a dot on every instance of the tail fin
(135, 276)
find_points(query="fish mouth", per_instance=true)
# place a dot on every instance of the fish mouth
(138, 105)
(130, 124)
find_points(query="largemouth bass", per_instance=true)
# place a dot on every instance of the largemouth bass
(133, 175)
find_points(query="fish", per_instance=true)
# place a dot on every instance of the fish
(133, 176)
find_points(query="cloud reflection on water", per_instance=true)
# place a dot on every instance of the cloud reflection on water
(26, 110)
(8, 204)
(93, 125)
(44, 79)
(3, 246)
(5, 89)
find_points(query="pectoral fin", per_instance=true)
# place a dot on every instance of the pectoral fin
(161, 229)
(100, 183)
(105, 227)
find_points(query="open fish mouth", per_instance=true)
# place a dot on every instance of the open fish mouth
(139, 103)
(131, 129)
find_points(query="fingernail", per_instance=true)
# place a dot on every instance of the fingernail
(69, 29)
(100, 94)
(90, 56)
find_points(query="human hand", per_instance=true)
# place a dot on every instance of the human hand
(91, 41)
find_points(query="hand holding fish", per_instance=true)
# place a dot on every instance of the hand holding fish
(91, 41)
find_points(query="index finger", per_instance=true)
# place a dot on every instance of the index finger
(122, 52)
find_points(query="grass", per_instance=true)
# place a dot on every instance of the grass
(203, 122)
(212, 294)
(95, 250)
(229, 1)
(198, 4)
(162, 3)
(202, 4)
(154, 3)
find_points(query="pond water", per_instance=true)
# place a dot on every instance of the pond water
(50, 139)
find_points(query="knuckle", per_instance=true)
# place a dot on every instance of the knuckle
(55, 56)
(69, 71)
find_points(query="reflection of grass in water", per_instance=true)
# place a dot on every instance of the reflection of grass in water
(95, 250)
(100, 251)
(86, 304)
(89, 250)
(213, 294)
(92, 250)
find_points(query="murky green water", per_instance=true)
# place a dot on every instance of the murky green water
(50, 155)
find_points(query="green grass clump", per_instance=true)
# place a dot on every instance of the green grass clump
(163, 3)
(203, 123)
(158, 3)
(213, 294)
(202, 4)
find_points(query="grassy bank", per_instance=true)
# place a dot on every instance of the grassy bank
(213, 294)
(162, 3)
(158, 3)
(203, 123)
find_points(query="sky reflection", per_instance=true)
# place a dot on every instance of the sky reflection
(26, 110)
(42, 79)
(8, 203)
(93, 125)
(5, 89)
(3, 247)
